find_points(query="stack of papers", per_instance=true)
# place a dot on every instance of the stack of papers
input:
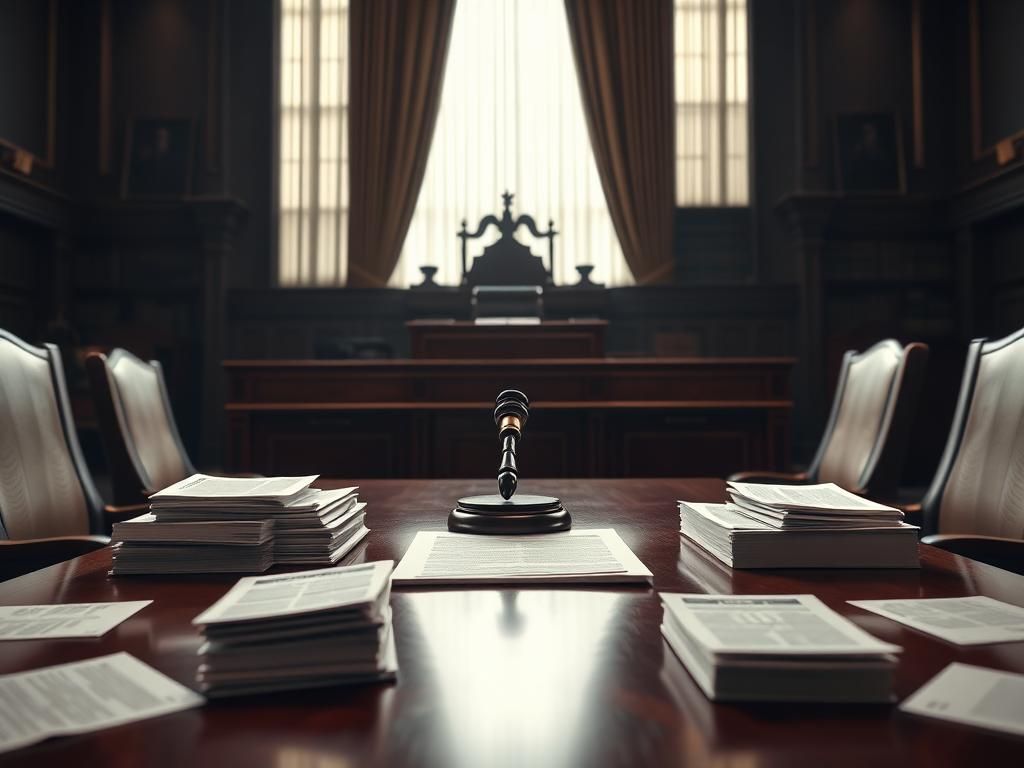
(793, 526)
(207, 524)
(776, 648)
(798, 506)
(299, 630)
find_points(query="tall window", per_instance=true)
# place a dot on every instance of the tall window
(711, 102)
(313, 143)
(511, 118)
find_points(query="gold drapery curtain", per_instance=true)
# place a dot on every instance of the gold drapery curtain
(624, 60)
(398, 53)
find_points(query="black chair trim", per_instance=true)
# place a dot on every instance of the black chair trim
(50, 354)
(932, 502)
(911, 357)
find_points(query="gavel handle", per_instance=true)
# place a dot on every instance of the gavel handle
(508, 471)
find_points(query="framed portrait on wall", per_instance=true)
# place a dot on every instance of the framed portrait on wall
(28, 78)
(158, 158)
(869, 153)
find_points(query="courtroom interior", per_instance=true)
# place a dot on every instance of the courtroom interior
(718, 298)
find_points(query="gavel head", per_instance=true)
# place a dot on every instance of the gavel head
(511, 410)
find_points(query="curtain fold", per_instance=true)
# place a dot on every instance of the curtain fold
(624, 60)
(511, 118)
(398, 54)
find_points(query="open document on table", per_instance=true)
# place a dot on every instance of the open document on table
(963, 693)
(85, 696)
(962, 620)
(582, 557)
(39, 622)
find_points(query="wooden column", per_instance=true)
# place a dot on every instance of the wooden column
(808, 217)
(218, 221)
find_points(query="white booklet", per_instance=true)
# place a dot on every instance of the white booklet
(578, 556)
(38, 622)
(963, 693)
(962, 620)
(85, 696)
(260, 489)
(771, 625)
(293, 594)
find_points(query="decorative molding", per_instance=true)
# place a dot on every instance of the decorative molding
(34, 203)
(990, 196)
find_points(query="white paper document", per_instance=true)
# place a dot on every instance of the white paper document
(963, 693)
(288, 594)
(85, 696)
(962, 620)
(585, 556)
(820, 496)
(38, 622)
(786, 625)
(201, 486)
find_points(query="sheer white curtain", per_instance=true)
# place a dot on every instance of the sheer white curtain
(511, 118)
(313, 143)
(711, 102)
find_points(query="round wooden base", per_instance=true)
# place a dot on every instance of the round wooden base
(518, 515)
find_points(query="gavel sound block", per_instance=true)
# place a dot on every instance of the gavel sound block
(507, 513)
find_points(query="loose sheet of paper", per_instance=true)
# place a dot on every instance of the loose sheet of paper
(961, 620)
(287, 594)
(771, 624)
(38, 622)
(963, 693)
(580, 556)
(85, 696)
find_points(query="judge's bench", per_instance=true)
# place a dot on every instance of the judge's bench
(597, 417)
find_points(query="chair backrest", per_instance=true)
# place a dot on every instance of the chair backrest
(979, 485)
(45, 485)
(141, 440)
(507, 261)
(865, 440)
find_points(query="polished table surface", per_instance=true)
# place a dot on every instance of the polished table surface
(526, 677)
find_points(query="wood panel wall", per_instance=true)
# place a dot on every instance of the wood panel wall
(939, 264)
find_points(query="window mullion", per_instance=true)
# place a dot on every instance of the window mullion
(314, 140)
(723, 128)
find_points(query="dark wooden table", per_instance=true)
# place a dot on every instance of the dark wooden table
(530, 677)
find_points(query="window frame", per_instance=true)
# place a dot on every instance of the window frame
(276, 119)
(721, 105)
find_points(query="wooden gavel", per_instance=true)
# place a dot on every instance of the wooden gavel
(511, 410)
